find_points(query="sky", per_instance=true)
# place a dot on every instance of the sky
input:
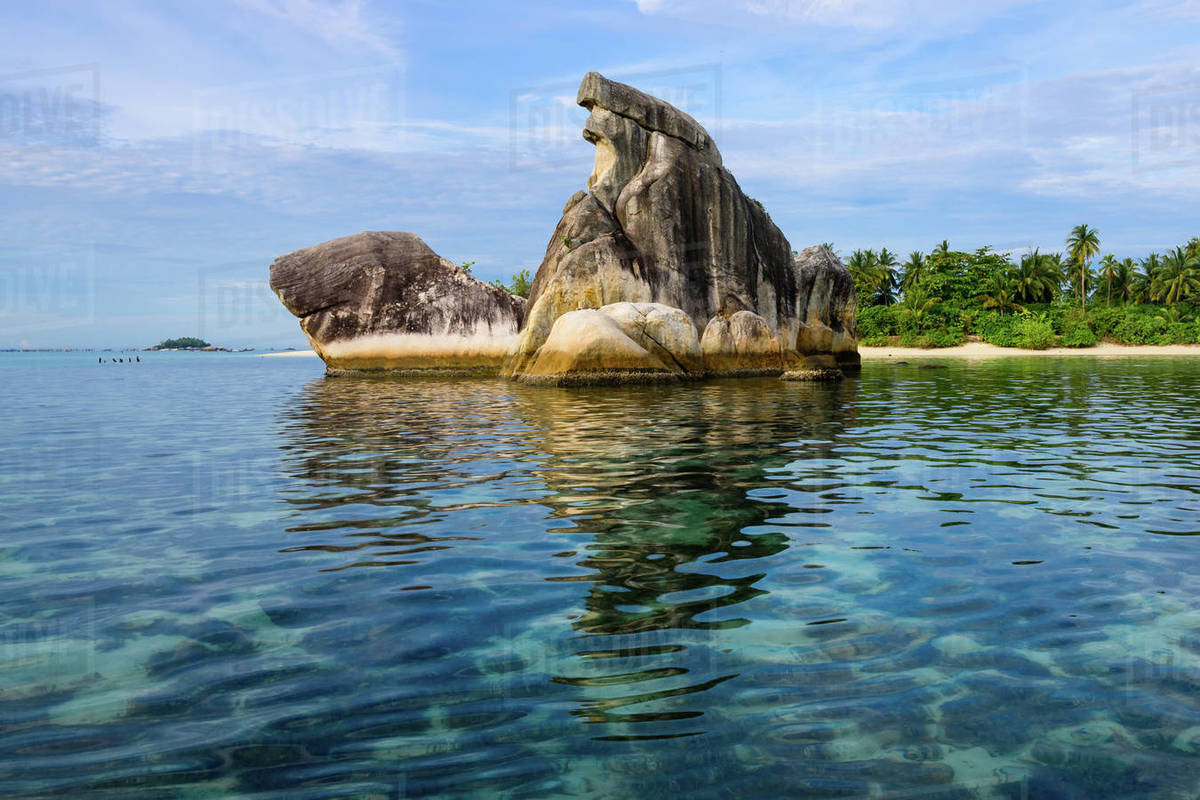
(155, 158)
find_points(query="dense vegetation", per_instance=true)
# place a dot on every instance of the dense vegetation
(1036, 300)
(182, 342)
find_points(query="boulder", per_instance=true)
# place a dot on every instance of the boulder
(383, 300)
(739, 345)
(664, 222)
(617, 343)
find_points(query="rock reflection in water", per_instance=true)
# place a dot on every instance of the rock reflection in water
(649, 484)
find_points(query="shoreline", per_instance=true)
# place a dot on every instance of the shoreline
(982, 350)
(968, 351)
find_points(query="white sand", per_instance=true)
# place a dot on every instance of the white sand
(970, 350)
(982, 350)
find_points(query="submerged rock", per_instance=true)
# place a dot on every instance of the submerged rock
(664, 222)
(383, 300)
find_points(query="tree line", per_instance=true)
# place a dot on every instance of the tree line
(1073, 298)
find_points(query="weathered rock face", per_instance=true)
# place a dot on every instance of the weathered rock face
(664, 222)
(618, 343)
(383, 300)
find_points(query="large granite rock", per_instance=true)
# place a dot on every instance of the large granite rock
(664, 222)
(618, 343)
(383, 300)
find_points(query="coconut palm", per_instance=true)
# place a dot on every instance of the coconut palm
(914, 270)
(885, 292)
(864, 267)
(1125, 280)
(1108, 271)
(999, 294)
(917, 304)
(1177, 279)
(1036, 278)
(1083, 244)
(1143, 281)
(1193, 247)
(942, 248)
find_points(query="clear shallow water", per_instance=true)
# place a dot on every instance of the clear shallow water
(230, 576)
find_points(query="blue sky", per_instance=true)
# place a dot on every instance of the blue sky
(156, 157)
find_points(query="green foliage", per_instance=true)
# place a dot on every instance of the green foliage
(875, 340)
(1082, 245)
(1104, 321)
(1043, 298)
(877, 321)
(1076, 332)
(1034, 332)
(996, 329)
(945, 338)
(182, 342)
(466, 266)
(961, 278)
(1138, 328)
(520, 285)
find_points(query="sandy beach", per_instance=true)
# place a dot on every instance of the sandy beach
(983, 350)
(971, 351)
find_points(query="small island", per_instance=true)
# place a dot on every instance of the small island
(195, 344)
(182, 343)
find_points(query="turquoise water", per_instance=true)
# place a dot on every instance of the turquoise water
(227, 575)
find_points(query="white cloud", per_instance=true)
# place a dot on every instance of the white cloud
(873, 15)
(340, 24)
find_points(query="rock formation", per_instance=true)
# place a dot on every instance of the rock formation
(664, 225)
(385, 301)
(662, 270)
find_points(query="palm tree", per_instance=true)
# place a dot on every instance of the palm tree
(1083, 244)
(1108, 271)
(943, 248)
(917, 304)
(864, 266)
(1126, 279)
(914, 270)
(1036, 278)
(1193, 247)
(998, 293)
(1143, 282)
(885, 293)
(1178, 279)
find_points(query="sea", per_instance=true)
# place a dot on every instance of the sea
(226, 575)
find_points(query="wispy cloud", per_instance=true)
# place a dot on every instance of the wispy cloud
(341, 24)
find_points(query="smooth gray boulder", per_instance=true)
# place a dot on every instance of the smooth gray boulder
(664, 222)
(383, 300)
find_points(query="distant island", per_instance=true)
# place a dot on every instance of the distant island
(194, 343)
(182, 343)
